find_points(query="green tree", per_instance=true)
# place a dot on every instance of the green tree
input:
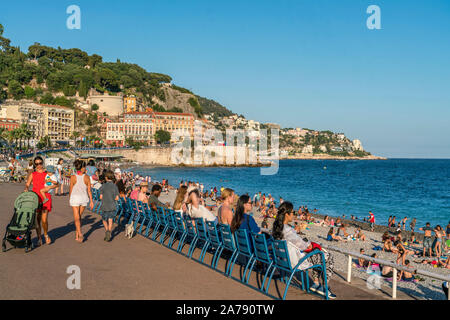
(82, 89)
(158, 108)
(15, 89)
(197, 108)
(94, 60)
(29, 92)
(95, 107)
(47, 99)
(162, 136)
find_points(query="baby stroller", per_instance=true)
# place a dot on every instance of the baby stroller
(18, 231)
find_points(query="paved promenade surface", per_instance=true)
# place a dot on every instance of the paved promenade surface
(122, 269)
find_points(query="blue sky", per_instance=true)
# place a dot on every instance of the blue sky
(298, 63)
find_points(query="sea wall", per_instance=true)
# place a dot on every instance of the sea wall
(214, 156)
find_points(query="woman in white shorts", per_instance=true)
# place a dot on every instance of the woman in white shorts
(80, 196)
(60, 177)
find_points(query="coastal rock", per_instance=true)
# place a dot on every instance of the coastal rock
(357, 145)
(307, 149)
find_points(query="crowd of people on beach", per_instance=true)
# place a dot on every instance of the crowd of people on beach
(195, 201)
(191, 200)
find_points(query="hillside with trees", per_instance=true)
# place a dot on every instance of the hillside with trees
(62, 76)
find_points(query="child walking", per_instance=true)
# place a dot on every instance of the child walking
(109, 194)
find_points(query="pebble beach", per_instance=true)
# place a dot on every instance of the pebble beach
(428, 289)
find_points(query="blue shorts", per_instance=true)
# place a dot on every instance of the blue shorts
(106, 215)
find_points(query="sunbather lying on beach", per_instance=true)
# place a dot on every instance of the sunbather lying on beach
(342, 230)
(388, 247)
(402, 252)
(439, 262)
(359, 235)
(331, 236)
(325, 222)
(413, 241)
(405, 275)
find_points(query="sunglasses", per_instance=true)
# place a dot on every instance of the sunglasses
(38, 163)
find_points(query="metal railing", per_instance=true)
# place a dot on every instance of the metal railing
(395, 267)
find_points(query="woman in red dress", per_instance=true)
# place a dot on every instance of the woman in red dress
(37, 178)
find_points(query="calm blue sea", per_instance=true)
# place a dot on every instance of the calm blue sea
(402, 187)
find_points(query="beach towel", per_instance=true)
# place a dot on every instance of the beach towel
(402, 280)
(377, 248)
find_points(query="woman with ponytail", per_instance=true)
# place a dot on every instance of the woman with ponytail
(225, 212)
(283, 231)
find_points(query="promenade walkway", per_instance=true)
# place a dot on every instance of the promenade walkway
(122, 269)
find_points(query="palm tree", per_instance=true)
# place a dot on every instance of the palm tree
(75, 136)
(3, 132)
(21, 133)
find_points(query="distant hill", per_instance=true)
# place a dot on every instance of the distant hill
(210, 106)
(67, 76)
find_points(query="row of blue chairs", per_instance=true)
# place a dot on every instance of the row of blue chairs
(215, 238)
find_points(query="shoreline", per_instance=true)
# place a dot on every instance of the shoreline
(330, 157)
(426, 289)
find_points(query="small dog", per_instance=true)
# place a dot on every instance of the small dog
(129, 231)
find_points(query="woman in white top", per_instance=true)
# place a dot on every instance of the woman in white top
(59, 176)
(299, 247)
(80, 196)
(197, 210)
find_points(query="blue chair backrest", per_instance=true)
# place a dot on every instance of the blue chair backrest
(227, 237)
(140, 206)
(154, 214)
(281, 254)
(130, 205)
(243, 242)
(171, 220)
(201, 229)
(179, 222)
(213, 233)
(261, 248)
(162, 217)
(146, 209)
(190, 228)
(160, 210)
(169, 211)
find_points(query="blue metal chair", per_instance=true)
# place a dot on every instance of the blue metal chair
(244, 249)
(202, 234)
(282, 262)
(229, 244)
(181, 230)
(171, 227)
(132, 207)
(191, 234)
(122, 210)
(128, 211)
(160, 222)
(153, 221)
(146, 216)
(165, 223)
(263, 255)
(139, 213)
(216, 242)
